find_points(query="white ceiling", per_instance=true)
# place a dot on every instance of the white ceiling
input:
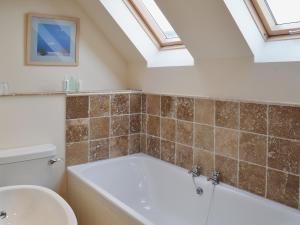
(205, 26)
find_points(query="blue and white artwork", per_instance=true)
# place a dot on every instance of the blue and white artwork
(53, 41)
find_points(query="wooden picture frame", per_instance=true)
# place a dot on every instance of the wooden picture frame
(51, 40)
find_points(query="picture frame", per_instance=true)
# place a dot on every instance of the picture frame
(51, 40)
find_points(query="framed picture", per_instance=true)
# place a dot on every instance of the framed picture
(51, 40)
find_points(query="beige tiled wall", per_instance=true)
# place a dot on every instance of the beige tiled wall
(255, 146)
(102, 126)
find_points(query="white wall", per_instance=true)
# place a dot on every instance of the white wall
(34, 120)
(224, 64)
(101, 67)
(231, 78)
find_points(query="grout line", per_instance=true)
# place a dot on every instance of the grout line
(194, 130)
(214, 132)
(160, 152)
(176, 127)
(129, 125)
(141, 124)
(285, 172)
(267, 153)
(146, 122)
(89, 127)
(109, 129)
(96, 117)
(238, 146)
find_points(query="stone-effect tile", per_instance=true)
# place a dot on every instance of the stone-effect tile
(227, 168)
(185, 108)
(168, 129)
(144, 105)
(99, 150)
(119, 125)
(253, 148)
(283, 188)
(77, 153)
(168, 106)
(153, 125)
(253, 117)
(77, 107)
(153, 105)
(252, 178)
(135, 123)
(284, 121)
(168, 151)
(205, 160)
(184, 134)
(119, 104)
(144, 123)
(284, 155)
(134, 143)
(153, 146)
(227, 114)
(77, 130)
(204, 111)
(99, 105)
(184, 156)
(227, 142)
(135, 103)
(204, 137)
(118, 146)
(143, 143)
(99, 128)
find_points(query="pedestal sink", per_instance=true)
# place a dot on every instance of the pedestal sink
(33, 205)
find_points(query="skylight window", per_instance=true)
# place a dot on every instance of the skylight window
(285, 11)
(160, 19)
(277, 19)
(154, 22)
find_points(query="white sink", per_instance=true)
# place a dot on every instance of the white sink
(33, 205)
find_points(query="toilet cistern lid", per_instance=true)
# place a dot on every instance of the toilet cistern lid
(14, 155)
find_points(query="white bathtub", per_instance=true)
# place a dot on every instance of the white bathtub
(139, 189)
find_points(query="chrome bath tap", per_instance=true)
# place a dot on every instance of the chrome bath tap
(215, 178)
(195, 171)
(3, 214)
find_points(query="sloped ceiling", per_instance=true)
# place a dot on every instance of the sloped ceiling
(205, 26)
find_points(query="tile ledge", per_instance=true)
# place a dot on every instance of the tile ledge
(80, 93)
(233, 99)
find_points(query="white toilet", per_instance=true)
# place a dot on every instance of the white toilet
(29, 166)
(22, 199)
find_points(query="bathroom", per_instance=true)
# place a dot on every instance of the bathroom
(164, 112)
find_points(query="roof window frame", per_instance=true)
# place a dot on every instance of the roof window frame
(266, 22)
(148, 23)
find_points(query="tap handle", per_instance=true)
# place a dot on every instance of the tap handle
(194, 169)
(215, 177)
(216, 173)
